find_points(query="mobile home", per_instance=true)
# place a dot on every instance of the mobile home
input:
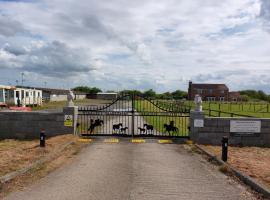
(6, 94)
(12, 95)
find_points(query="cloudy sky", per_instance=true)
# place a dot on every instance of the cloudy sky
(142, 44)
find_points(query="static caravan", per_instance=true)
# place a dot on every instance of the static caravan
(28, 96)
(7, 94)
(11, 94)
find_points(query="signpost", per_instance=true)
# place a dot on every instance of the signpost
(68, 121)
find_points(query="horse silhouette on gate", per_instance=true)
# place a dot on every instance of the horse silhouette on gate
(94, 124)
(170, 127)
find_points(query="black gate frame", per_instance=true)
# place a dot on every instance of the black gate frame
(135, 110)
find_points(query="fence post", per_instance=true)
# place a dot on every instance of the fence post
(268, 107)
(225, 148)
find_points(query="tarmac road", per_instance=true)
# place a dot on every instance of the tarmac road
(128, 171)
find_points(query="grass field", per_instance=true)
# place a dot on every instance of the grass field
(225, 109)
(181, 121)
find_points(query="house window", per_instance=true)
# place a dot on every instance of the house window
(27, 94)
(222, 91)
(211, 98)
(17, 94)
(199, 91)
(210, 91)
(221, 98)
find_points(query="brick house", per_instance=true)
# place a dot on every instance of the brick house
(208, 92)
(235, 96)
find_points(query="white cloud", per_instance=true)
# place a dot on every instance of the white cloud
(137, 44)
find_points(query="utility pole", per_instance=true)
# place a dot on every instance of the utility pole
(45, 84)
(22, 74)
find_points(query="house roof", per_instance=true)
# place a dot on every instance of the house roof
(7, 87)
(107, 93)
(48, 90)
(210, 86)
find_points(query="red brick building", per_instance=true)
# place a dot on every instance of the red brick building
(235, 96)
(208, 92)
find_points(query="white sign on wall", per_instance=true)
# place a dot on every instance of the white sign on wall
(245, 126)
(198, 123)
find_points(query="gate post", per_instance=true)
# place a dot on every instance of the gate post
(71, 111)
(196, 121)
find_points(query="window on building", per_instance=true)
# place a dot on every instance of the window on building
(222, 98)
(199, 91)
(222, 91)
(211, 98)
(17, 94)
(27, 94)
(210, 91)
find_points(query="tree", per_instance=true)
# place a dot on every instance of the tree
(178, 94)
(149, 93)
(88, 90)
(255, 95)
(131, 92)
(165, 95)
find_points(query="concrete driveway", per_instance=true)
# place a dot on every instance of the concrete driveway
(128, 171)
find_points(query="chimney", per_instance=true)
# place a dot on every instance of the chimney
(189, 90)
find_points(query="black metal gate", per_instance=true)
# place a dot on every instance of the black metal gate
(134, 115)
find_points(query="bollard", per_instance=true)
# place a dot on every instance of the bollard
(42, 138)
(225, 148)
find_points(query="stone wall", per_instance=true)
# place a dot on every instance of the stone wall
(215, 128)
(27, 125)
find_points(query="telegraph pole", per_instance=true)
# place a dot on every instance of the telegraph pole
(22, 74)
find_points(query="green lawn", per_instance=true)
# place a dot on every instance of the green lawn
(181, 121)
(261, 110)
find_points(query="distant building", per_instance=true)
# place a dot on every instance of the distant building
(208, 92)
(79, 95)
(103, 95)
(12, 95)
(235, 96)
(52, 95)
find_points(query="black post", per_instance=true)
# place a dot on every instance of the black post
(42, 138)
(225, 148)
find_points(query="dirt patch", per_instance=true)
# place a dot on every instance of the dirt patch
(28, 151)
(16, 154)
(252, 161)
